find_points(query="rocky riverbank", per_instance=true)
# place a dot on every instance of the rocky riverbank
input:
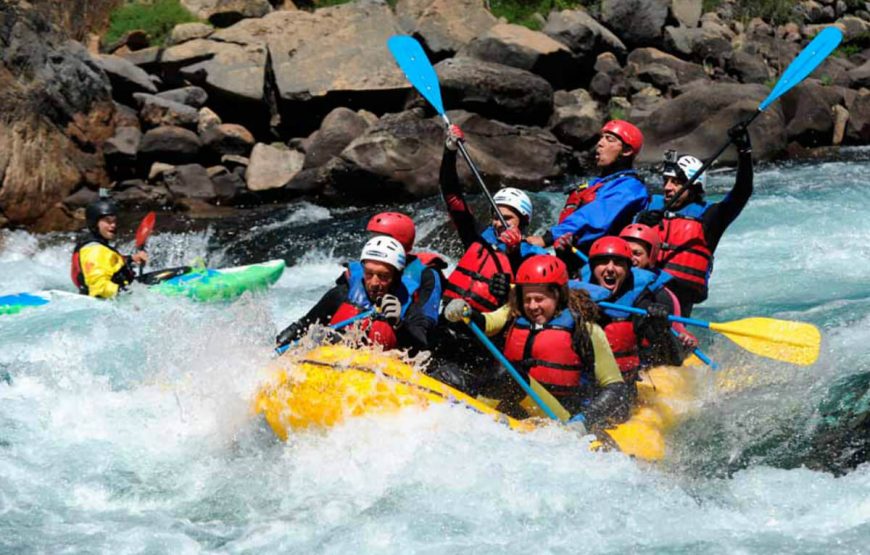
(267, 102)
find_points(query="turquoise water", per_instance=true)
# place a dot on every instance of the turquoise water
(125, 427)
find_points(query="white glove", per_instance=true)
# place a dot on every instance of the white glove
(390, 309)
(456, 310)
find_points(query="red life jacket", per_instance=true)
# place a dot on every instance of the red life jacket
(547, 353)
(471, 278)
(684, 252)
(578, 198)
(379, 332)
(75, 272)
(623, 342)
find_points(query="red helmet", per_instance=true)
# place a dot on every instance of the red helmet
(627, 133)
(645, 234)
(542, 269)
(398, 226)
(610, 246)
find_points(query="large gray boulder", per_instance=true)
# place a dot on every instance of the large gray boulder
(170, 144)
(56, 111)
(808, 111)
(698, 120)
(224, 69)
(126, 77)
(748, 67)
(577, 119)
(642, 58)
(190, 181)
(401, 155)
(583, 35)
(445, 26)
(495, 91)
(272, 168)
(191, 96)
(332, 50)
(155, 111)
(226, 139)
(710, 43)
(223, 13)
(120, 150)
(860, 76)
(520, 47)
(339, 128)
(858, 128)
(636, 22)
(687, 12)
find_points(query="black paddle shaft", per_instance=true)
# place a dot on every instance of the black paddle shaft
(480, 181)
(670, 204)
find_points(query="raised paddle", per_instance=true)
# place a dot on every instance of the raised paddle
(413, 62)
(337, 326)
(538, 393)
(809, 59)
(795, 342)
(143, 233)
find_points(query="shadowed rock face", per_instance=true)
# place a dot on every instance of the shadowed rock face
(56, 110)
(698, 120)
(444, 26)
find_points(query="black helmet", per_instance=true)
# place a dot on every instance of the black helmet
(99, 209)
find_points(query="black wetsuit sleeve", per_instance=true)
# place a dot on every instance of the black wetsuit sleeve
(719, 216)
(611, 405)
(321, 313)
(416, 328)
(458, 210)
(662, 346)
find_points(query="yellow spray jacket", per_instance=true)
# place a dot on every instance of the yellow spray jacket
(102, 270)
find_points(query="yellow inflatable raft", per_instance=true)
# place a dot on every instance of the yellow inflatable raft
(325, 386)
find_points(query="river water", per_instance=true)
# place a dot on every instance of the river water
(125, 427)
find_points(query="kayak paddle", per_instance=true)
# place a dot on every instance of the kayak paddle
(538, 393)
(795, 342)
(413, 62)
(337, 326)
(809, 59)
(143, 233)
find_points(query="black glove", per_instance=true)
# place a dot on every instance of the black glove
(124, 276)
(657, 312)
(740, 137)
(651, 218)
(291, 333)
(500, 286)
(390, 309)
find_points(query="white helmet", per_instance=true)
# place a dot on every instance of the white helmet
(685, 168)
(385, 249)
(516, 199)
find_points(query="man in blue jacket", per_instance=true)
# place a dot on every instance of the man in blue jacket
(609, 202)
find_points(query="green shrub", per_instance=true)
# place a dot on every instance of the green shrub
(617, 112)
(522, 12)
(155, 17)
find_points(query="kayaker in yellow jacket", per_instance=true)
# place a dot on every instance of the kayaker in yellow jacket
(98, 269)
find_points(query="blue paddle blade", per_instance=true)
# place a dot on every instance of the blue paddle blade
(809, 59)
(413, 62)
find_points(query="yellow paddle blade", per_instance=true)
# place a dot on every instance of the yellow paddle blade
(554, 405)
(794, 342)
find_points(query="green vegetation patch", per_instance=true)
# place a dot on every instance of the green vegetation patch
(526, 12)
(155, 17)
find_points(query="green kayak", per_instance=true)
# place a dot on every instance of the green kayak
(219, 285)
(203, 284)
